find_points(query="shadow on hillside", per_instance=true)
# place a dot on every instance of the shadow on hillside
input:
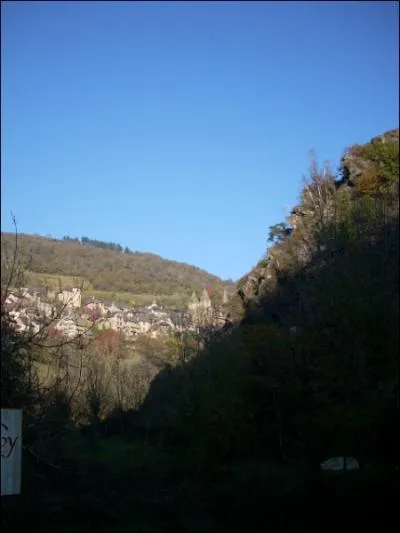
(311, 372)
(233, 438)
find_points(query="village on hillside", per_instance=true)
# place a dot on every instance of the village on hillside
(66, 314)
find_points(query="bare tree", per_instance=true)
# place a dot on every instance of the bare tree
(41, 369)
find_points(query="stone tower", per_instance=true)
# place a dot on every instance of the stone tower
(205, 301)
(193, 303)
(225, 298)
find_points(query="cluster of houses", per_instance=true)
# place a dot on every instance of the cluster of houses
(65, 313)
(31, 309)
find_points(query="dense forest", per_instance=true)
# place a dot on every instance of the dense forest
(86, 241)
(108, 268)
(229, 436)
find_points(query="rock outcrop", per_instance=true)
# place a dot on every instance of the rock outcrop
(302, 220)
(354, 164)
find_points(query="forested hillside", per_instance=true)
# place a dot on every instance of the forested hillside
(110, 269)
(312, 368)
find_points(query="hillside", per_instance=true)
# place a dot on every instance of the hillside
(112, 274)
(368, 182)
(311, 370)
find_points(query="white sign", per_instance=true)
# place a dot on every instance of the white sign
(11, 449)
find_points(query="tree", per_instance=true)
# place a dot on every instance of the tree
(41, 370)
(110, 342)
(279, 232)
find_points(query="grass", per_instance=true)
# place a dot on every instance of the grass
(120, 483)
(137, 299)
(54, 281)
(109, 296)
(116, 453)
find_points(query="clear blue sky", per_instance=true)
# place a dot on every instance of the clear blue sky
(184, 128)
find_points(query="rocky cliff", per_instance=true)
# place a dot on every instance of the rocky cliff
(364, 168)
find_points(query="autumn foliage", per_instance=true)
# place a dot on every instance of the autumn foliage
(109, 341)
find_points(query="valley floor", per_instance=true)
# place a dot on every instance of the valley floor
(120, 483)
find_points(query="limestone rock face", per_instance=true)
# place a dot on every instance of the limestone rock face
(251, 286)
(354, 165)
(302, 220)
(389, 136)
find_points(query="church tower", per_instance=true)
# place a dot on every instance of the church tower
(193, 303)
(205, 301)
(225, 298)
